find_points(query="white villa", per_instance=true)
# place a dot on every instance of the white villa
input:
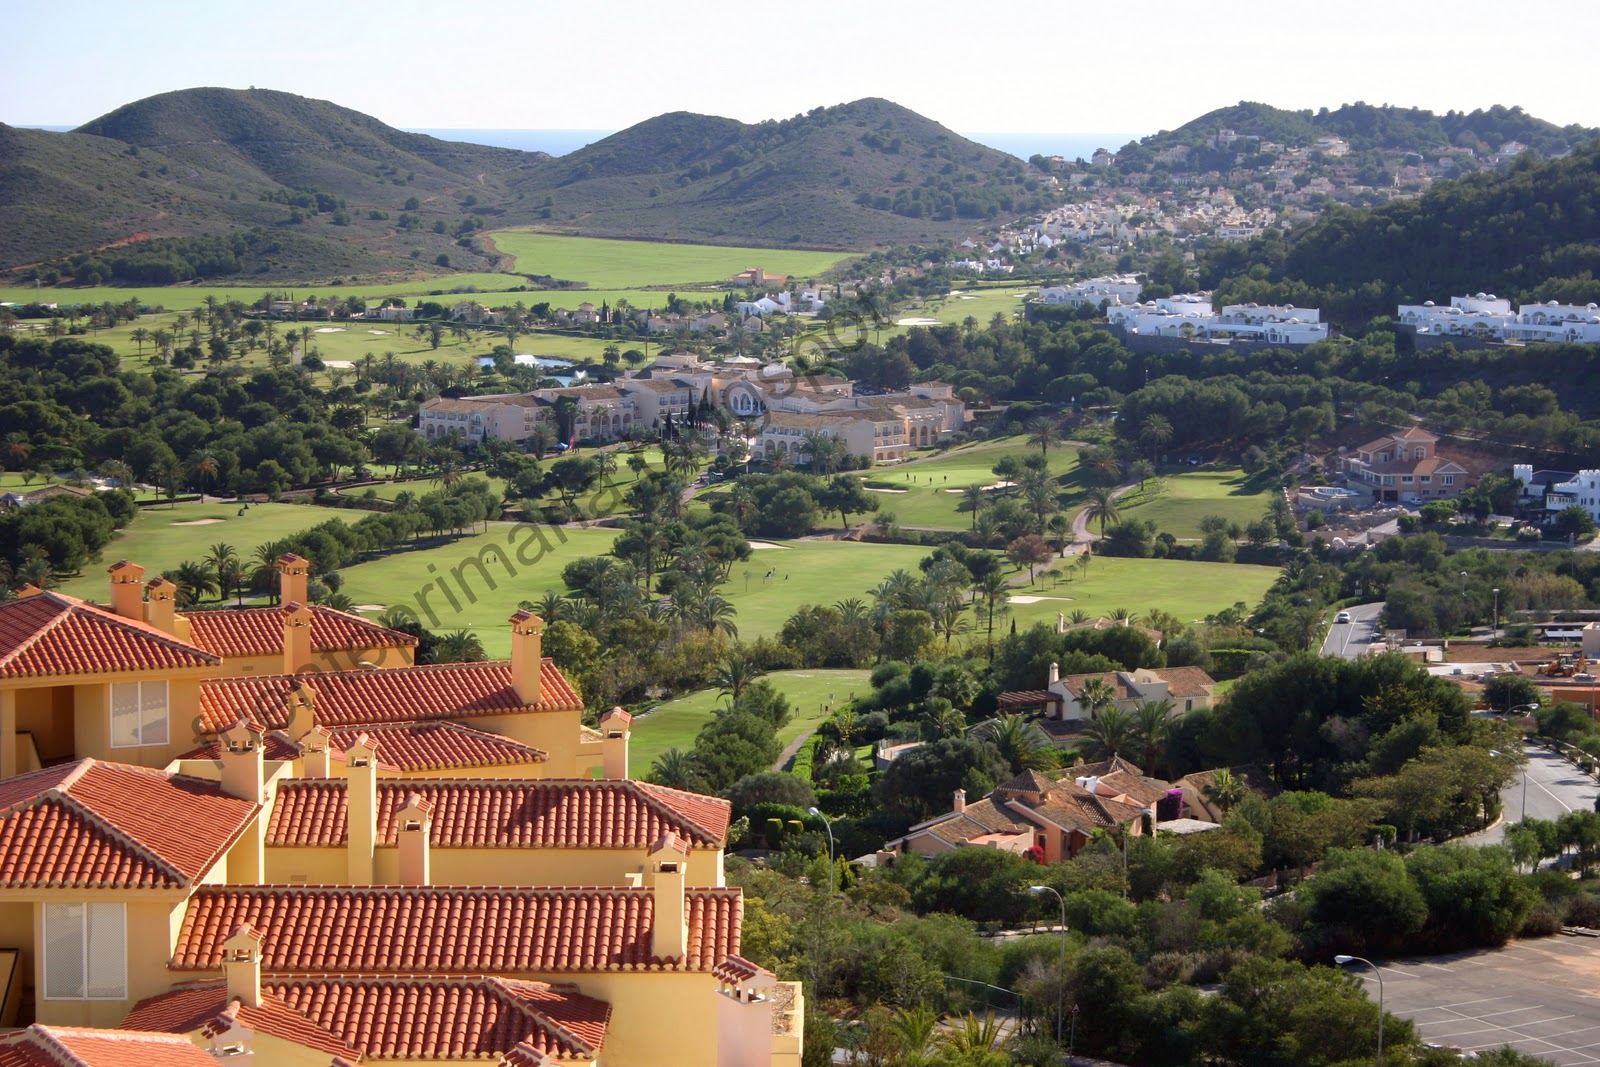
(1487, 317)
(1190, 315)
(1115, 290)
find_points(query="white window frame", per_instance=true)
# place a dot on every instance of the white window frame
(153, 703)
(58, 920)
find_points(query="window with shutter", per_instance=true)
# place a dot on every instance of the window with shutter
(85, 951)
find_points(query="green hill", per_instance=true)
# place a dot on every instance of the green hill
(1528, 232)
(850, 176)
(208, 183)
(1367, 127)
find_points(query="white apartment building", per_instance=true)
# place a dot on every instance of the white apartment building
(1190, 315)
(1488, 317)
(1114, 290)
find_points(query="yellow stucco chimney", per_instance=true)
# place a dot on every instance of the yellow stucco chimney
(527, 655)
(161, 610)
(127, 589)
(361, 809)
(293, 575)
(413, 826)
(669, 934)
(614, 726)
(241, 965)
(296, 636)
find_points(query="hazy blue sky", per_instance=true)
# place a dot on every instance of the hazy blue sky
(606, 64)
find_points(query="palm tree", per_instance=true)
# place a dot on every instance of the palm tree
(824, 450)
(194, 581)
(549, 607)
(1225, 789)
(263, 567)
(716, 613)
(204, 463)
(1018, 744)
(989, 596)
(1121, 615)
(733, 675)
(1102, 507)
(36, 570)
(230, 571)
(1143, 470)
(675, 769)
(462, 646)
(140, 335)
(913, 1033)
(973, 499)
(1108, 733)
(1043, 432)
(1096, 695)
(115, 470)
(1156, 432)
(1152, 726)
(970, 1041)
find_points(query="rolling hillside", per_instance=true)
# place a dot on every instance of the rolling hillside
(851, 176)
(322, 191)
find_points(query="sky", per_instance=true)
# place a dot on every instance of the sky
(607, 64)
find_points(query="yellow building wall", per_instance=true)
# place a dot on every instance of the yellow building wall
(92, 721)
(658, 1018)
(489, 866)
(46, 712)
(16, 931)
(558, 733)
(151, 933)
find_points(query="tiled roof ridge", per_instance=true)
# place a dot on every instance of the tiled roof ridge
(73, 604)
(50, 1043)
(128, 841)
(541, 1020)
(648, 792)
(38, 635)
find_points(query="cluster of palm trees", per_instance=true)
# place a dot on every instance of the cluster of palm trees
(1140, 734)
(917, 1037)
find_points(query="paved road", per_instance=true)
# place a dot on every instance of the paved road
(1554, 787)
(1351, 639)
(1541, 997)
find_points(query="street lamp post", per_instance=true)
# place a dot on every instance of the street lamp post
(1496, 637)
(1344, 961)
(832, 875)
(1061, 989)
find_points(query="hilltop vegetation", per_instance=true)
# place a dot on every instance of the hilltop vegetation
(1367, 127)
(1530, 232)
(318, 191)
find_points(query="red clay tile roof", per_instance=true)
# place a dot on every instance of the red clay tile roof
(435, 746)
(507, 813)
(453, 930)
(76, 1046)
(1181, 681)
(52, 634)
(1029, 698)
(449, 1018)
(407, 747)
(206, 1007)
(395, 694)
(100, 825)
(736, 969)
(524, 1055)
(259, 631)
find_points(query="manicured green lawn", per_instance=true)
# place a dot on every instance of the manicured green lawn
(932, 486)
(1190, 590)
(1190, 496)
(675, 723)
(159, 539)
(809, 572)
(476, 582)
(183, 297)
(623, 264)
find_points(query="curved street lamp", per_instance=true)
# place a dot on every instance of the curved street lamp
(1345, 960)
(1061, 990)
(833, 877)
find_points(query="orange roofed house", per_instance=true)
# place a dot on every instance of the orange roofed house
(1406, 466)
(274, 834)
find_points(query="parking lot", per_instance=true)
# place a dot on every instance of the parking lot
(1541, 997)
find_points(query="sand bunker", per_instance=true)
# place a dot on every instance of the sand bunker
(330, 329)
(766, 544)
(1026, 599)
(875, 489)
(916, 320)
(985, 488)
(382, 333)
(198, 522)
(338, 364)
(369, 607)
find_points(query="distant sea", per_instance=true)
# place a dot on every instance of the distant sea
(560, 142)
